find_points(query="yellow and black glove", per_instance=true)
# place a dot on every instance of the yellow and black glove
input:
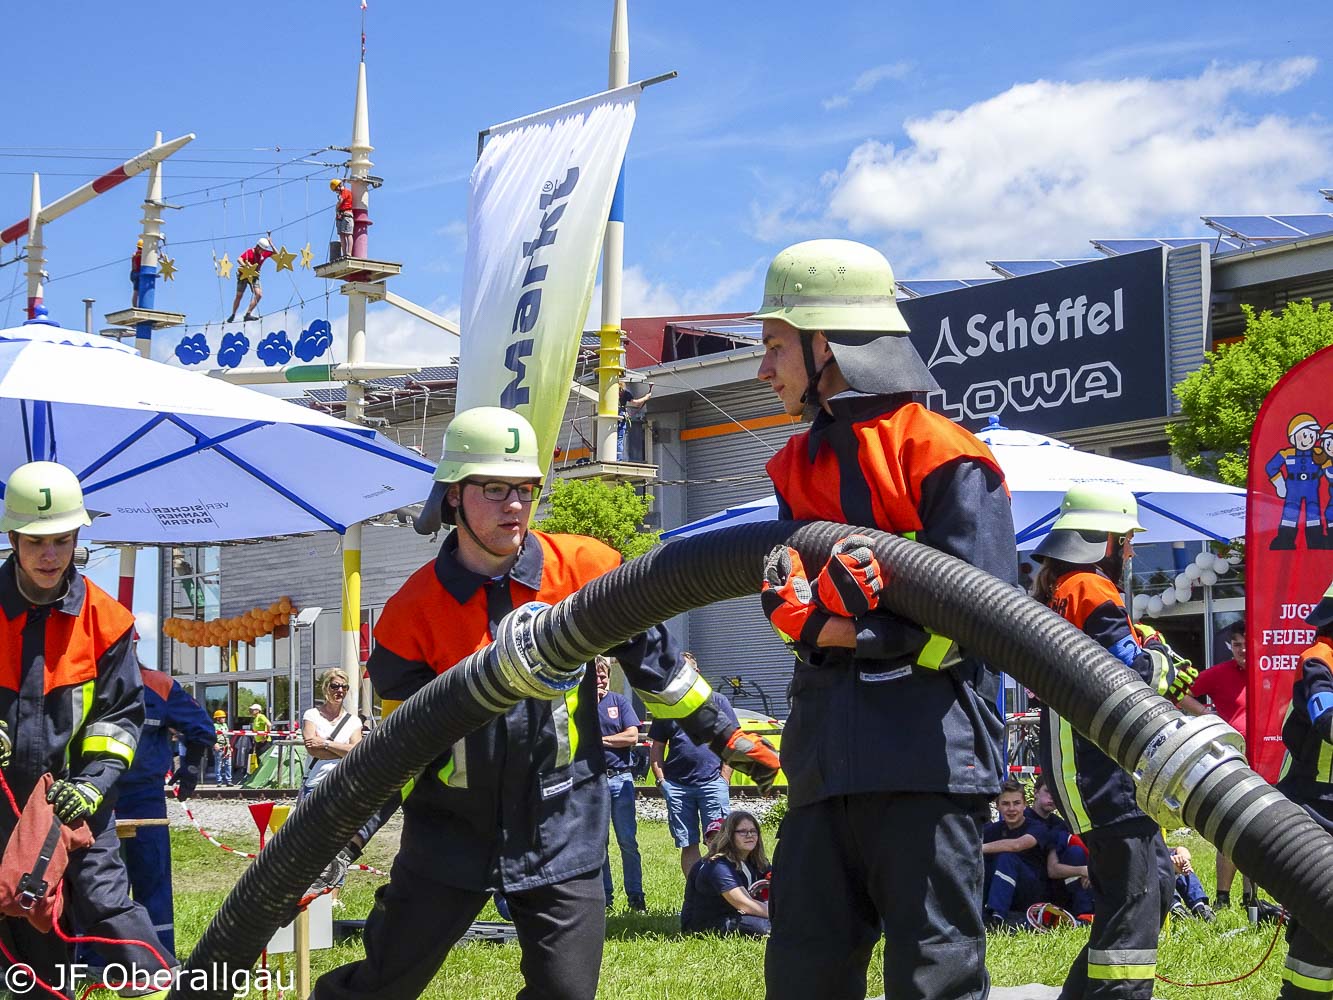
(73, 800)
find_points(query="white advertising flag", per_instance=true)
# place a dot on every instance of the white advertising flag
(540, 195)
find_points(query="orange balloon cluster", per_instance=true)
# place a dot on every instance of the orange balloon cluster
(224, 631)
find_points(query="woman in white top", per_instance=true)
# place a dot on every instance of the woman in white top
(328, 731)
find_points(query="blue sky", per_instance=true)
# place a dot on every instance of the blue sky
(944, 134)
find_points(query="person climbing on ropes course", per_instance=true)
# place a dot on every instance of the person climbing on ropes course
(135, 263)
(342, 214)
(892, 749)
(1307, 779)
(71, 699)
(521, 805)
(250, 260)
(1085, 560)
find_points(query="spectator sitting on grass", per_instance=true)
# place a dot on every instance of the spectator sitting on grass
(691, 887)
(1191, 900)
(728, 880)
(1066, 857)
(1014, 849)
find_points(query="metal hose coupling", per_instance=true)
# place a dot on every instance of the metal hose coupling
(1179, 758)
(530, 669)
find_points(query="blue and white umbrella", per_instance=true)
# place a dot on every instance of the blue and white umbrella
(1038, 470)
(172, 456)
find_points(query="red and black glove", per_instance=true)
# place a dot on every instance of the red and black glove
(850, 583)
(751, 755)
(745, 752)
(788, 599)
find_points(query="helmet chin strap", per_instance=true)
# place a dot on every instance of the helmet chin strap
(462, 522)
(810, 399)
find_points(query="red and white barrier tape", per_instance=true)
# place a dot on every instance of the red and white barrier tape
(250, 854)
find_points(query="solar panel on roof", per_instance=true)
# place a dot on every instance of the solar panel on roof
(1218, 244)
(1251, 227)
(1308, 224)
(1020, 268)
(917, 287)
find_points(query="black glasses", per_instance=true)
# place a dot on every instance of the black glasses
(337, 687)
(498, 492)
(746, 833)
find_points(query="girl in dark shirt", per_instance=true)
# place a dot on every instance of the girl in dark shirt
(727, 882)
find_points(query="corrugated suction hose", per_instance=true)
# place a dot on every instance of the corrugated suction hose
(1188, 770)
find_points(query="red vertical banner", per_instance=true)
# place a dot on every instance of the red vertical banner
(1288, 544)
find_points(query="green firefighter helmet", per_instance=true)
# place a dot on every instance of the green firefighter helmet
(488, 441)
(1089, 513)
(43, 498)
(832, 285)
(846, 291)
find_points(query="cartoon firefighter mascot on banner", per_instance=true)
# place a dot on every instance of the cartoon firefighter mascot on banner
(71, 702)
(1084, 560)
(1295, 473)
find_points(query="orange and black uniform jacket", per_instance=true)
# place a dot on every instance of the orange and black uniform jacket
(888, 718)
(1307, 731)
(1091, 788)
(522, 802)
(70, 691)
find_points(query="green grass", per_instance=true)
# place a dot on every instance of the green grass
(647, 959)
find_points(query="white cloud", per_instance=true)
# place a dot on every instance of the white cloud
(1044, 166)
(396, 336)
(644, 296)
(866, 82)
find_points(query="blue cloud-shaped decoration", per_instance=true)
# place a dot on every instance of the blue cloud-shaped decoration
(314, 340)
(275, 349)
(235, 346)
(193, 350)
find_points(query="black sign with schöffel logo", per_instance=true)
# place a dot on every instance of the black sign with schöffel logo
(1077, 346)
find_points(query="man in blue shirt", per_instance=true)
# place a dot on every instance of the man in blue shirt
(693, 780)
(620, 734)
(1014, 848)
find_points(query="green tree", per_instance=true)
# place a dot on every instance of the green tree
(613, 514)
(1220, 402)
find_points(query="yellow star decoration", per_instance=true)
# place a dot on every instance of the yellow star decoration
(168, 268)
(282, 260)
(307, 255)
(246, 271)
(224, 267)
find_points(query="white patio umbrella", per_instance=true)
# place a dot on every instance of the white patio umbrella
(175, 456)
(1038, 470)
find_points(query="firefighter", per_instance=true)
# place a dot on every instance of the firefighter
(1083, 560)
(1295, 474)
(521, 805)
(892, 749)
(1326, 448)
(1307, 779)
(148, 853)
(71, 697)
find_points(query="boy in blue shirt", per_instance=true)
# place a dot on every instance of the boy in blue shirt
(1014, 848)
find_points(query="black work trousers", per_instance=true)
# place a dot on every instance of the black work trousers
(415, 922)
(97, 901)
(1307, 973)
(851, 868)
(1133, 886)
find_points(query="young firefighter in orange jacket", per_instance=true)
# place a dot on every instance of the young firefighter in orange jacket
(71, 702)
(521, 805)
(1083, 560)
(892, 749)
(1307, 779)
